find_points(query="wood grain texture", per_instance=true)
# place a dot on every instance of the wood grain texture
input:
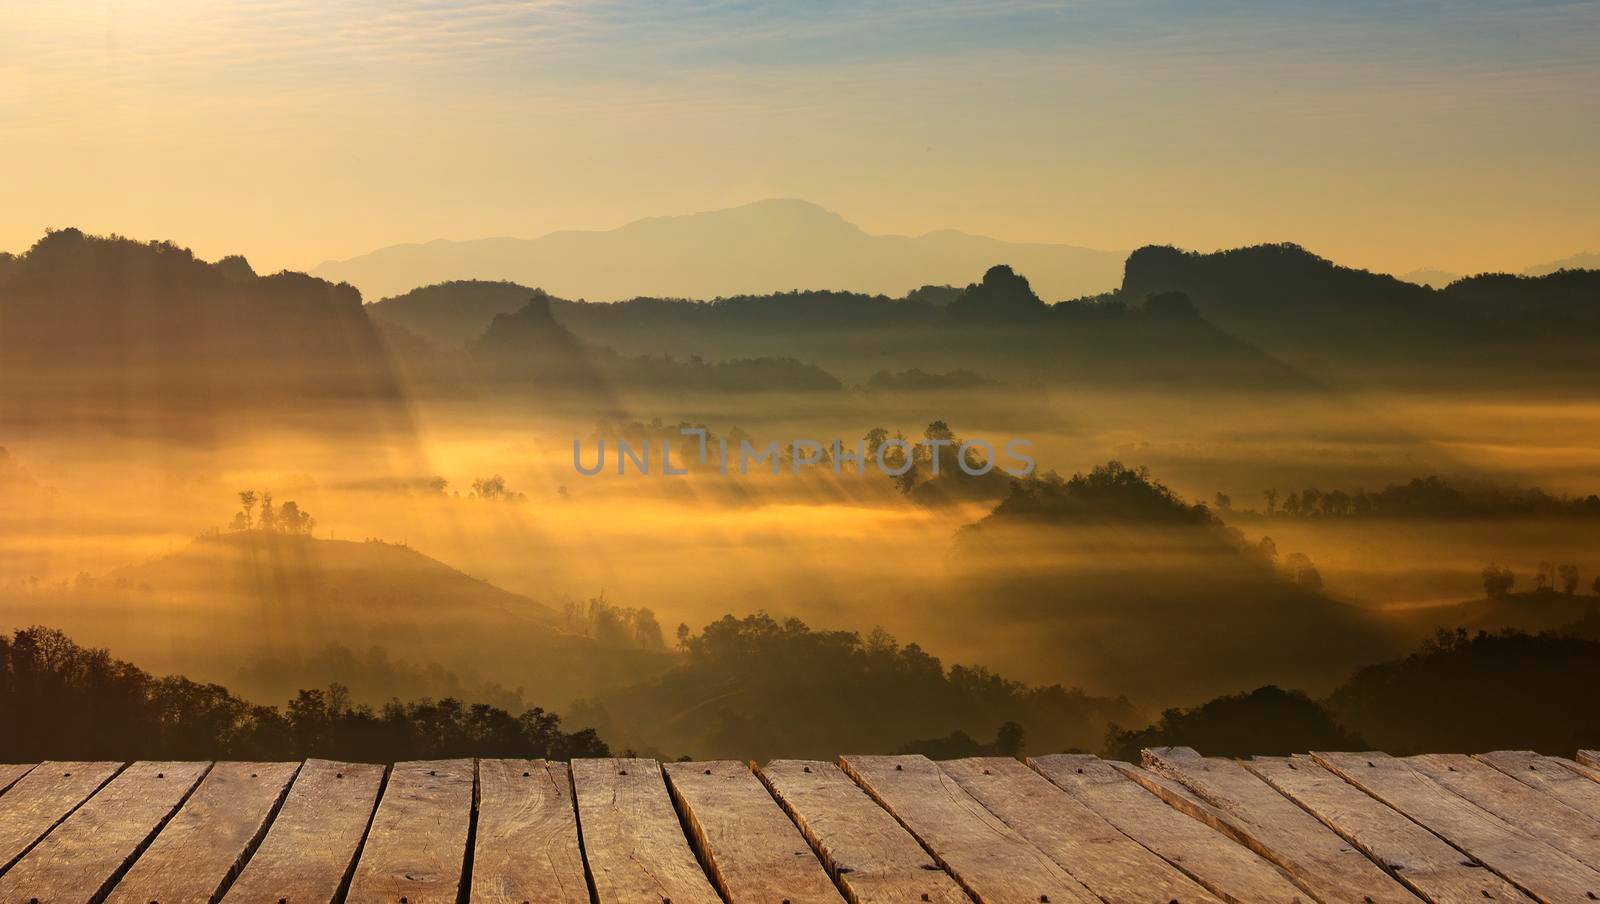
(416, 847)
(526, 848)
(867, 851)
(39, 800)
(1116, 868)
(203, 846)
(1223, 867)
(1273, 826)
(635, 846)
(1539, 814)
(1590, 758)
(10, 773)
(1415, 856)
(992, 861)
(753, 852)
(1533, 866)
(1564, 780)
(310, 848)
(82, 857)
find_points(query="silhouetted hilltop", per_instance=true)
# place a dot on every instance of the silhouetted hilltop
(241, 596)
(453, 313)
(530, 344)
(1267, 282)
(1131, 587)
(1268, 721)
(766, 246)
(1347, 323)
(757, 687)
(287, 576)
(1002, 295)
(122, 328)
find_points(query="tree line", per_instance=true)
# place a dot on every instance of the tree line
(1548, 577)
(287, 518)
(59, 700)
(1429, 497)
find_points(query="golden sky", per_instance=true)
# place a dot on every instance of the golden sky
(1390, 135)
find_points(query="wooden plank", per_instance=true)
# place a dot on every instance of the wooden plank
(1413, 855)
(1116, 868)
(416, 847)
(1533, 866)
(10, 773)
(636, 848)
(990, 860)
(1590, 758)
(753, 853)
(310, 849)
(872, 857)
(1226, 869)
(1260, 818)
(525, 848)
(83, 857)
(202, 847)
(1540, 815)
(39, 800)
(1565, 780)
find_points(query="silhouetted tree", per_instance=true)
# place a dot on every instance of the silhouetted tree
(1569, 579)
(1497, 581)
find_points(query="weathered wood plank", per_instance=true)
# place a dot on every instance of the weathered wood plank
(1539, 814)
(1565, 780)
(10, 773)
(1590, 758)
(1226, 869)
(872, 857)
(1417, 857)
(39, 800)
(1533, 866)
(990, 860)
(635, 846)
(1116, 868)
(416, 847)
(83, 856)
(310, 849)
(202, 847)
(754, 854)
(1256, 815)
(526, 848)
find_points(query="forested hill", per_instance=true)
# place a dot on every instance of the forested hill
(98, 327)
(1344, 322)
(997, 326)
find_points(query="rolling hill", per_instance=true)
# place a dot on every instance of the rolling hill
(230, 601)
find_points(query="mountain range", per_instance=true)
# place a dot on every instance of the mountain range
(766, 246)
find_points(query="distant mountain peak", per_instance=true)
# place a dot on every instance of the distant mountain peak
(765, 246)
